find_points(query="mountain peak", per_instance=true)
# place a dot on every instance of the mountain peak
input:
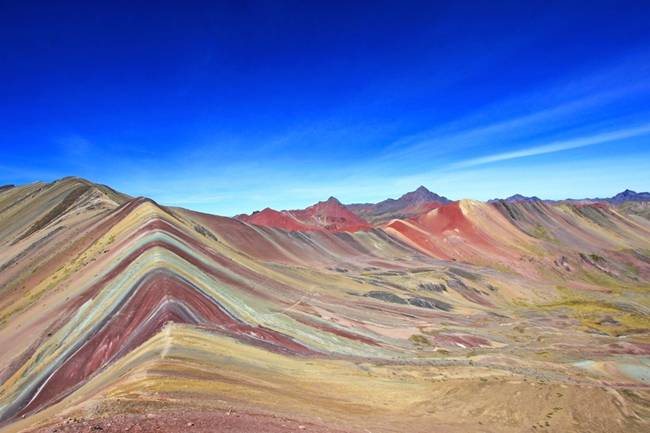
(626, 193)
(519, 197)
(331, 202)
(629, 195)
(330, 215)
(266, 210)
(409, 204)
(421, 195)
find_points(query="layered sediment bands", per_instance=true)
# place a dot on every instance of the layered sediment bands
(56, 212)
(523, 236)
(306, 248)
(453, 315)
(158, 298)
(574, 226)
(464, 231)
(123, 308)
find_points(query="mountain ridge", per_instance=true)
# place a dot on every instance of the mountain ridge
(329, 215)
(111, 304)
(408, 204)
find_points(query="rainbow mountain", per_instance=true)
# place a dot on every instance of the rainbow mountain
(417, 314)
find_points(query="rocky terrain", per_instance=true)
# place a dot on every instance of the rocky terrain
(416, 314)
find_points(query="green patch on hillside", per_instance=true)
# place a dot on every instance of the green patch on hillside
(540, 232)
(597, 315)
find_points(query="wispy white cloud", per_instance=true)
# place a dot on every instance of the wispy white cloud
(569, 103)
(557, 146)
(460, 134)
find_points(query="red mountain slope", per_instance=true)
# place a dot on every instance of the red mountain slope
(325, 215)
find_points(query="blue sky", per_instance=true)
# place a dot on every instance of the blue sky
(228, 107)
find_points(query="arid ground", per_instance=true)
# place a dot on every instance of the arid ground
(415, 315)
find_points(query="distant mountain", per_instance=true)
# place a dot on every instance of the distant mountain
(517, 198)
(328, 215)
(273, 218)
(620, 198)
(629, 195)
(332, 215)
(409, 204)
(420, 195)
(6, 187)
(632, 203)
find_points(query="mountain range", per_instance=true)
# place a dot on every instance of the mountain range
(418, 313)
(334, 216)
(329, 214)
(407, 205)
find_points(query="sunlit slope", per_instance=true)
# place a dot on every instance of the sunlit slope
(152, 266)
(41, 224)
(110, 304)
(531, 238)
(184, 369)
